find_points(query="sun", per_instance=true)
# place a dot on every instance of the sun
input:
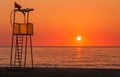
(78, 38)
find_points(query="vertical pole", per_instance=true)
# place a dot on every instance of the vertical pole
(12, 40)
(27, 21)
(21, 49)
(11, 51)
(26, 40)
(25, 52)
(31, 50)
(16, 53)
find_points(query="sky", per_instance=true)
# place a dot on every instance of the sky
(59, 22)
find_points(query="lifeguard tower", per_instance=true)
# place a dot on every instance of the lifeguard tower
(21, 36)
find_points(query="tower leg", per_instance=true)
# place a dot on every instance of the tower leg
(11, 51)
(25, 52)
(31, 50)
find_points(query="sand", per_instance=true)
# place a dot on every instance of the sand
(58, 72)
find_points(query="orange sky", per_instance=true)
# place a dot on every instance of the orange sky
(59, 22)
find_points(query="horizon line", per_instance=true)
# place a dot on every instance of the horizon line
(66, 46)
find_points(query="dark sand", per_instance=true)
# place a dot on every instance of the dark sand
(58, 72)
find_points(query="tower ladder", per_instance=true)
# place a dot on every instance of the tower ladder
(18, 51)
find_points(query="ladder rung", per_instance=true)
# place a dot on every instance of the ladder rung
(19, 40)
(18, 57)
(18, 62)
(20, 54)
(18, 49)
(20, 43)
(19, 36)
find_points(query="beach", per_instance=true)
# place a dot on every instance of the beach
(58, 72)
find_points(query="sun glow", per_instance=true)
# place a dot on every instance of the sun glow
(79, 38)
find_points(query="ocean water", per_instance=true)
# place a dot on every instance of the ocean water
(69, 57)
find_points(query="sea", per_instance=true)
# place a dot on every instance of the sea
(68, 57)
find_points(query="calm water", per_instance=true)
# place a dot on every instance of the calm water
(69, 57)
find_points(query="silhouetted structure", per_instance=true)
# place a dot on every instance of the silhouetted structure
(22, 33)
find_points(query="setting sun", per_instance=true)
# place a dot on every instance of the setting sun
(79, 38)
